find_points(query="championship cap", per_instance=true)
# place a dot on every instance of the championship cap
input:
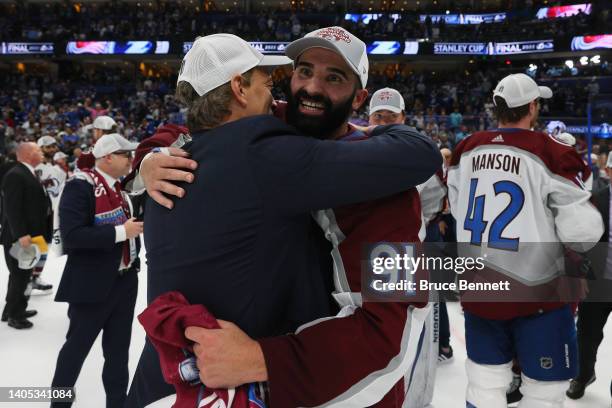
(112, 143)
(387, 99)
(338, 40)
(104, 123)
(566, 138)
(519, 89)
(59, 156)
(46, 141)
(214, 59)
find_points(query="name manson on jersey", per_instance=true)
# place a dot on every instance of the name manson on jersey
(496, 161)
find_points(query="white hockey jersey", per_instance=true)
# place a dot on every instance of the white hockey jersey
(53, 179)
(517, 195)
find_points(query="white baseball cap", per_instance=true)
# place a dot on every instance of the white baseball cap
(104, 123)
(28, 257)
(112, 143)
(387, 99)
(214, 59)
(338, 40)
(46, 141)
(59, 156)
(567, 138)
(519, 89)
(609, 161)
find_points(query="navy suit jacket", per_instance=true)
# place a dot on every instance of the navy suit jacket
(242, 240)
(93, 256)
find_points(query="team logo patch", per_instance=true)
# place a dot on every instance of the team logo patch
(334, 34)
(384, 96)
(546, 363)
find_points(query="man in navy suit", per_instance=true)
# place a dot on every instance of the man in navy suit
(99, 280)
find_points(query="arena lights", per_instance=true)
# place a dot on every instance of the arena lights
(533, 67)
(596, 59)
(584, 60)
(569, 64)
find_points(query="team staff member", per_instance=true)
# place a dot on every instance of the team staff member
(102, 125)
(99, 280)
(26, 213)
(328, 83)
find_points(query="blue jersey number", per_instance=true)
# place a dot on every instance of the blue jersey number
(475, 223)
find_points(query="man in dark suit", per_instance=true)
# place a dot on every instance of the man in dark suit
(593, 312)
(26, 213)
(99, 280)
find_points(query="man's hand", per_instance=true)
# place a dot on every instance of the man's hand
(159, 171)
(133, 228)
(25, 241)
(227, 357)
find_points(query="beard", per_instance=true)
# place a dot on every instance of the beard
(322, 126)
(48, 155)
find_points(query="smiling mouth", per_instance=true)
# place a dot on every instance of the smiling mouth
(310, 107)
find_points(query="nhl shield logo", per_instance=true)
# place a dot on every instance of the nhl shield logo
(546, 363)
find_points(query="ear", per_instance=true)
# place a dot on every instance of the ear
(238, 90)
(360, 97)
(533, 107)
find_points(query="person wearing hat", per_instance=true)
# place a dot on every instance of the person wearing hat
(328, 83)
(387, 107)
(61, 163)
(102, 125)
(509, 187)
(99, 280)
(26, 213)
(51, 179)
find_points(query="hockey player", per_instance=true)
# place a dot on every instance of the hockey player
(308, 368)
(51, 178)
(102, 125)
(509, 187)
(387, 107)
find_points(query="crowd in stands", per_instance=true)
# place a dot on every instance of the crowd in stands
(180, 20)
(447, 107)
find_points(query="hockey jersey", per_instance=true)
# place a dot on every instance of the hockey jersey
(385, 336)
(53, 180)
(518, 196)
(364, 356)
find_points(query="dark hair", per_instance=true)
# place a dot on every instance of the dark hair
(504, 114)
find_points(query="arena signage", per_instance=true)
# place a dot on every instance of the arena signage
(22, 48)
(591, 42)
(522, 47)
(117, 47)
(563, 11)
(457, 19)
(366, 18)
(384, 48)
(603, 131)
(263, 47)
(460, 48)
(411, 47)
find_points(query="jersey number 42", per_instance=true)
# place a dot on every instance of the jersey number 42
(474, 219)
